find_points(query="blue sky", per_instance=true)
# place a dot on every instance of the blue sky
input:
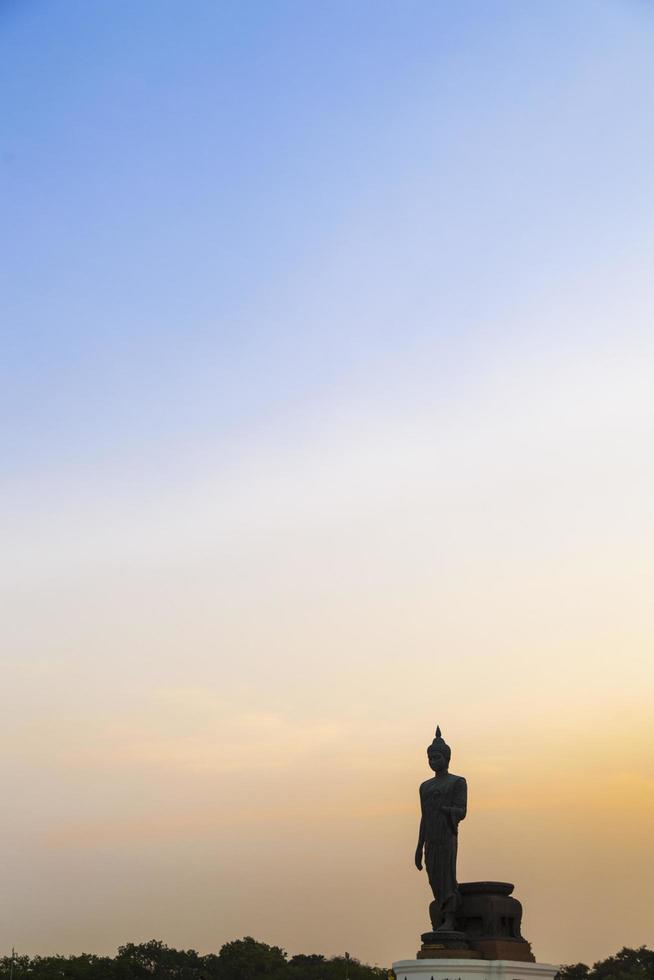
(326, 414)
(220, 217)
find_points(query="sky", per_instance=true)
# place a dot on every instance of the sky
(327, 414)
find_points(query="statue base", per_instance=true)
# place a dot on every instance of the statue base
(462, 967)
(488, 922)
(514, 950)
(443, 944)
(427, 952)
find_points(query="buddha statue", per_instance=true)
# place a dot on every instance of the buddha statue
(443, 802)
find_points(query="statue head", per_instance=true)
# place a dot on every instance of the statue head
(438, 753)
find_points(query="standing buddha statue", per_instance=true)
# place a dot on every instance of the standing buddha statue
(443, 802)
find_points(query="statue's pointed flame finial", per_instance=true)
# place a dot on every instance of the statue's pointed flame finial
(438, 731)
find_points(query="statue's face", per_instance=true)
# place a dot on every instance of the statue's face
(437, 760)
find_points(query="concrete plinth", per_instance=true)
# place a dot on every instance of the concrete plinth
(467, 969)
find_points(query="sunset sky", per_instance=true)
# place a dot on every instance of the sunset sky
(327, 414)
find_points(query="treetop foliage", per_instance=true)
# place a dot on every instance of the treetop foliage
(242, 959)
(628, 964)
(248, 959)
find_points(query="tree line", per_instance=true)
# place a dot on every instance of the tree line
(248, 959)
(242, 959)
(628, 964)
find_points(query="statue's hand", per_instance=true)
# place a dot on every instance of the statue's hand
(418, 859)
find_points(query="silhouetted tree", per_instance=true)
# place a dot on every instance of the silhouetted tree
(245, 959)
(155, 959)
(628, 964)
(577, 971)
(307, 967)
(85, 966)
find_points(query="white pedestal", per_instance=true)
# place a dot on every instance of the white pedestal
(472, 970)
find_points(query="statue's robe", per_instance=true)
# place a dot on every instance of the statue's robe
(440, 834)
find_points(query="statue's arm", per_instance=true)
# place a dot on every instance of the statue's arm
(459, 806)
(460, 800)
(421, 839)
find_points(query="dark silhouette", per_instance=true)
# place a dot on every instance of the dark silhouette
(443, 804)
(242, 959)
(247, 958)
(628, 964)
(474, 920)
